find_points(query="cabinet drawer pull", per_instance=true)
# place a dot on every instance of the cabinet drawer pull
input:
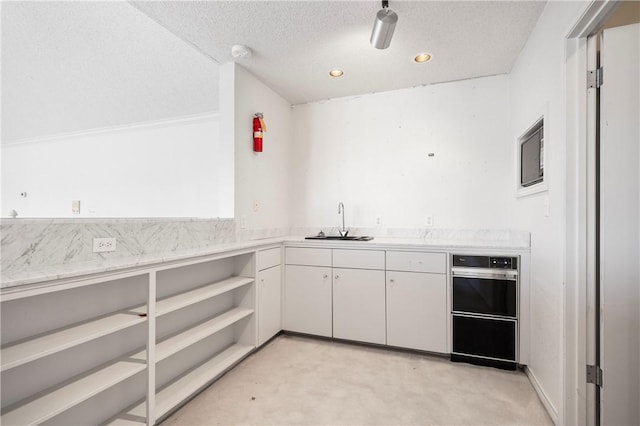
(337, 277)
(325, 276)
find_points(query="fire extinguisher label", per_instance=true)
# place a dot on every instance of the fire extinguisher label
(257, 134)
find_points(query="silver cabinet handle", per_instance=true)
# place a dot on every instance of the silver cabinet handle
(325, 276)
(337, 277)
(392, 280)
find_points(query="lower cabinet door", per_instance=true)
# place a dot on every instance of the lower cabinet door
(417, 311)
(358, 305)
(307, 300)
(269, 303)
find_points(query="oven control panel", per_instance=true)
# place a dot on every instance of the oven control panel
(485, 262)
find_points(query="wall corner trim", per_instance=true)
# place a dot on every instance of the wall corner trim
(551, 410)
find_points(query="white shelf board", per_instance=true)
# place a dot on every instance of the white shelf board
(124, 422)
(33, 349)
(65, 397)
(172, 395)
(199, 294)
(174, 344)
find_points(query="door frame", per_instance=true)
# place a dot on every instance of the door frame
(580, 238)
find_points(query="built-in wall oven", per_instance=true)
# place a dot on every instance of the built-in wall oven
(484, 310)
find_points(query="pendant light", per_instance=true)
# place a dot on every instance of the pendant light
(383, 26)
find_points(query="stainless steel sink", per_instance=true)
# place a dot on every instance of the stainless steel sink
(338, 237)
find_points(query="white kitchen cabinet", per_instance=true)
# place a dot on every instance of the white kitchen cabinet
(308, 256)
(358, 259)
(269, 303)
(307, 300)
(359, 305)
(415, 261)
(417, 311)
(269, 258)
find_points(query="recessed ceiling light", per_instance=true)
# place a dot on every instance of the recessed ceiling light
(422, 57)
(337, 72)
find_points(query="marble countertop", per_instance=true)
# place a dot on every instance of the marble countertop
(499, 243)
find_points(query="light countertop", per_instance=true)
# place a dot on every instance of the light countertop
(502, 244)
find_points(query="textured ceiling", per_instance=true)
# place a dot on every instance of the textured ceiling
(72, 66)
(296, 43)
(77, 65)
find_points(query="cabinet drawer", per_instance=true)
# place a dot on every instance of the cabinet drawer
(413, 261)
(269, 258)
(308, 256)
(358, 259)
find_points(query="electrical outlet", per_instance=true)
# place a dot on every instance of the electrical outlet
(101, 245)
(378, 220)
(256, 205)
(428, 220)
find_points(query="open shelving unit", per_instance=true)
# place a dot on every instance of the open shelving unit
(200, 324)
(41, 333)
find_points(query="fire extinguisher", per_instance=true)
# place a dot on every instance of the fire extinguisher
(258, 128)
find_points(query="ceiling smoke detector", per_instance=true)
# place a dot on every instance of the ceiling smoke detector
(240, 51)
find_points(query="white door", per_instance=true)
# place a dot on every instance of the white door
(620, 225)
(270, 303)
(358, 305)
(417, 311)
(307, 300)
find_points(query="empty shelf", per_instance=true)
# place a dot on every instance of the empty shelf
(121, 421)
(180, 341)
(172, 395)
(31, 350)
(199, 294)
(72, 394)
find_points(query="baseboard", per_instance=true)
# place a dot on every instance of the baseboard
(551, 411)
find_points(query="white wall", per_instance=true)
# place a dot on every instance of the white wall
(166, 169)
(372, 153)
(262, 198)
(537, 86)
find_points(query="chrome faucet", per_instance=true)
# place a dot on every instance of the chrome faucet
(343, 231)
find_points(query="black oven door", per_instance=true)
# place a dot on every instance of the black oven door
(493, 294)
(490, 338)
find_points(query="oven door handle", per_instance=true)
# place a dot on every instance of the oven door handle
(484, 274)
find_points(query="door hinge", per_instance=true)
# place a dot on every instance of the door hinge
(595, 78)
(594, 375)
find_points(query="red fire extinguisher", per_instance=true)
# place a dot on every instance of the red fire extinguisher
(258, 128)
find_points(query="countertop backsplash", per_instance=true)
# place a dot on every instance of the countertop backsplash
(37, 243)
(33, 245)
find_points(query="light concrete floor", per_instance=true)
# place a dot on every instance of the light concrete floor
(303, 381)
